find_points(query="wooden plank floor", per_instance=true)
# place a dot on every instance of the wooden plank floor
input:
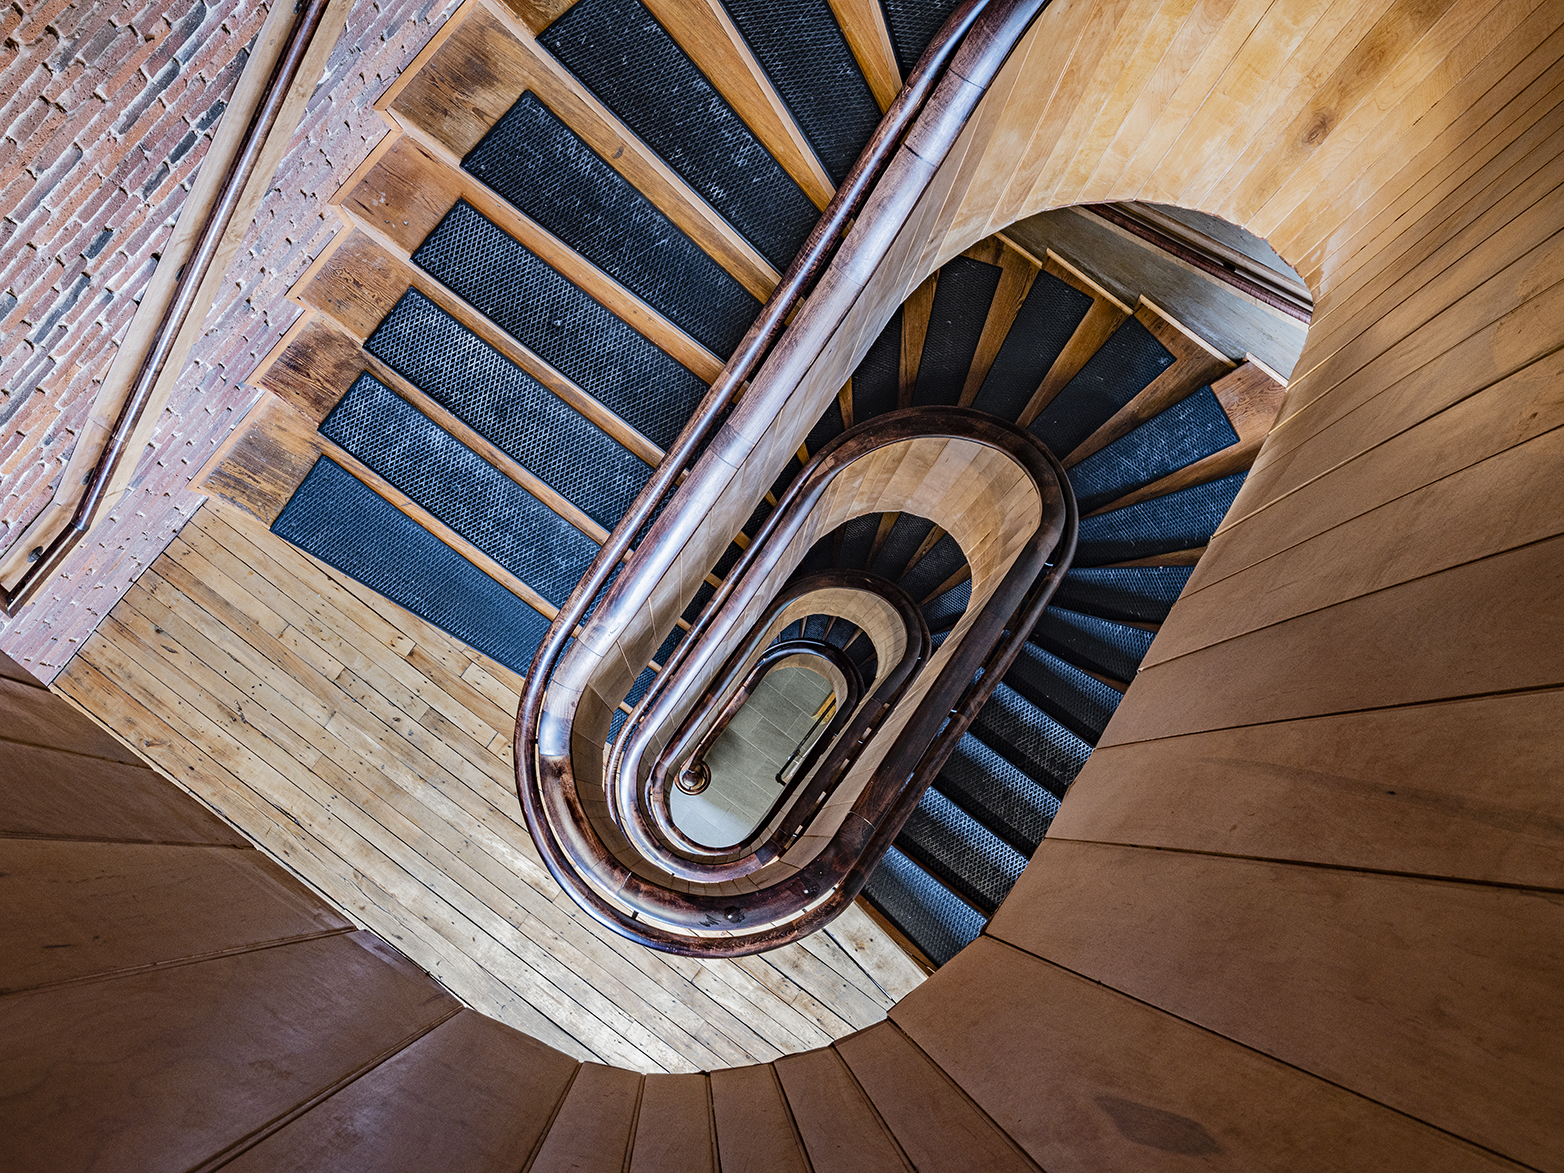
(370, 753)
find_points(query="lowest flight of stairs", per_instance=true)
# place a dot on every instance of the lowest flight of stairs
(544, 266)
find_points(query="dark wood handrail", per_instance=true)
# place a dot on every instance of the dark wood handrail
(912, 140)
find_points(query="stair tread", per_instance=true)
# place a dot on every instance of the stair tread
(962, 295)
(541, 166)
(1073, 697)
(933, 917)
(1049, 752)
(1182, 520)
(1138, 594)
(1121, 369)
(1043, 326)
(1191, 429)
(998, 793)
(1103, 645)
(618, 50)
(949, 842)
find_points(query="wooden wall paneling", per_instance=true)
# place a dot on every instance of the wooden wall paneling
(1511, 412)
(1442, 996)
(755, 1132)
(74, 910)
(863, 24)
(51, 794)
(1469, 787)
(1488, 131)
(1195, 363)
(1407, 112)
(421, 185)
(1081, 1076)
(1105, 316)
(1486, 626)
(1473, 344)
(591, 1132)
(1506, 501)
(127, 1081)
(708, 37)
(1286, 46)
(839, 1127)
(34, 717)
(477, 74)
(363, 282)
(933, 1122)
(471, 1096)
(1336, 103)
(673, 1129)
(1512, 235)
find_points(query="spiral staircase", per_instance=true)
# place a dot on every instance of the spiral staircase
(518, 322)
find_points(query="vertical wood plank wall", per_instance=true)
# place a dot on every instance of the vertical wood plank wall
(1304, 909)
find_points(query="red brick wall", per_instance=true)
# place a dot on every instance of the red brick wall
(107, 111)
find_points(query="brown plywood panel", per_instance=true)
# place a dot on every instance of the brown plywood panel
(840, 1130)
(1484, 627)
(34, 716)
(1086, 1079)
(55, 794)
(754, 1128)
(70, 909)
(1437, 999)
(591, 1134)
(937, 1127)
(1465, 789)
(471, 1096)
(673, 1132)
(162, 1070)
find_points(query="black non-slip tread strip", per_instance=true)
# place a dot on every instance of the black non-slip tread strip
(998, 794)
(460, 488)
(942, 613)
(1102, 645)
(543, 167)
(1191, 429)
(943, 559)
(1134, 594)
(509, 408)
(962, 296)
(1048, 317)
(1122, 368)
(336, 518)
(1075, 698)
(858, 540)
(912, 25)
(1182, 520)
(877, 380)
(617, 50)
(800, 46)
(559, 322)
(1048, 752)
(900, 545)
(959, 850)
(933, 917)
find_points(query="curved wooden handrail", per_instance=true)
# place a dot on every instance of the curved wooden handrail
(912, 141)
(641, 804)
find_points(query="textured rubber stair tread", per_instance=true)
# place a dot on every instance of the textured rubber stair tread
(541, 166)
(962, 295)
(1182, 520)
(1076, 698)
(1052, 311)
(858, 541)
(1048, 752)
(1190, 430)
(942, 614)
(912, 25)
(617, 50)
(1120, 370)
(338, 519)
(947, 841)
(877, 380)
(459, 487)
(998, 794)
(814, 627)
(925, 576)
(508, 407)
(563, 325)
(931, 916)
(907, 534)
(1137, 594)
(800, 46)
(841, 634)
(1113, 649)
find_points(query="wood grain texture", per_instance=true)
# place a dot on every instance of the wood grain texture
(1442, 996)
(1082, 1076)
(591, 1132)
(471, 1096)
(755, 1132)
(674, 1130)
(839, 1127)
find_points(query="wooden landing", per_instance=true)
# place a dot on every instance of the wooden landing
(371, 753)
